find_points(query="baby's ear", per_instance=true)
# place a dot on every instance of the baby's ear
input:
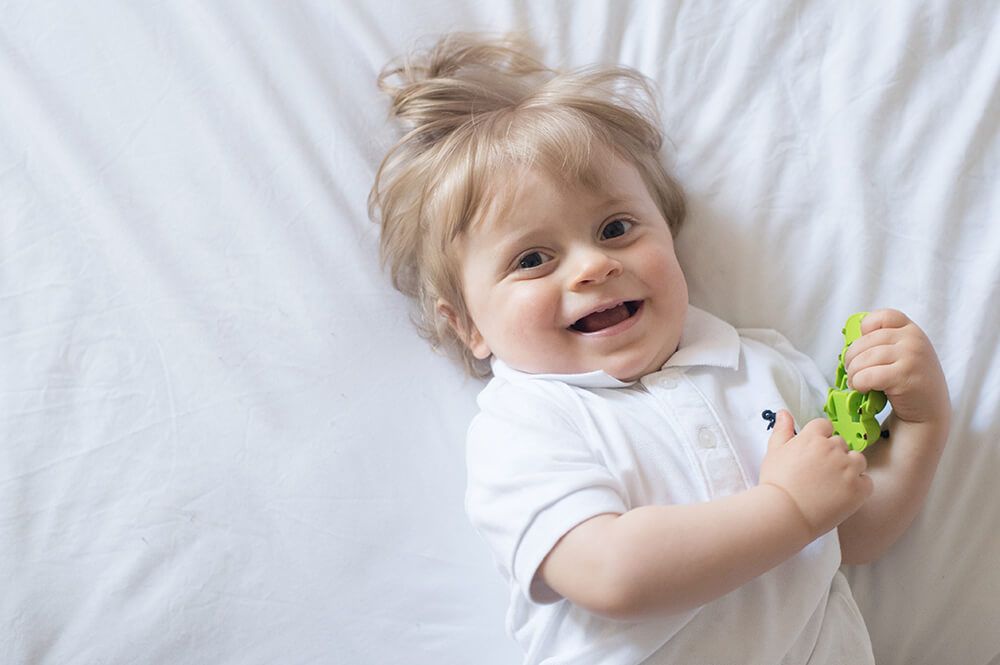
(466, 331)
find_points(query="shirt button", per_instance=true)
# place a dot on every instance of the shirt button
(706, 438)
(669, 383)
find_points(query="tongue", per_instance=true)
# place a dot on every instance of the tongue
(601, 320)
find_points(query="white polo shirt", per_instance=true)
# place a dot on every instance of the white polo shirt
(547, 452)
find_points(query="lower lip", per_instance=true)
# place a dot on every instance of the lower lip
(618, 328)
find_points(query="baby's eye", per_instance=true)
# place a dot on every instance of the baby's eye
(615, 228)
(533, 260)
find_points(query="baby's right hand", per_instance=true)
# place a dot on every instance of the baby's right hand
(817, 470)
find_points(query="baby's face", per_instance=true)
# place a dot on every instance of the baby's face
(570, 280)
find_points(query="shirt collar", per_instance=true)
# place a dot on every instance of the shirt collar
(706, 340)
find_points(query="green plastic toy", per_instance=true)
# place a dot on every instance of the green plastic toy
(853, 413)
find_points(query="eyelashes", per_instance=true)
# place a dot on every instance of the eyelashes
(533, 260)
(616, 228)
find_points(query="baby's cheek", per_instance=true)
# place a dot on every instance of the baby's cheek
(533, 305)
(530, 319)
(664, 272)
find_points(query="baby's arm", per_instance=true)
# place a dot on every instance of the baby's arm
(672, 558)
(894, 355)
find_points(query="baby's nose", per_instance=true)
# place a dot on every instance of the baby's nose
(595, 267)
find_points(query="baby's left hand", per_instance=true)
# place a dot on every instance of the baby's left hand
(894, 355)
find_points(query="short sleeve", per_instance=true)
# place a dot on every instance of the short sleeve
(532, 477)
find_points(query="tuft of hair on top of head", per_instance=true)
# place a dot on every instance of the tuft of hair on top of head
(477, 111)
(434, 90)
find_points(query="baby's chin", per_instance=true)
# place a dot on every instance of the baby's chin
(632, 373)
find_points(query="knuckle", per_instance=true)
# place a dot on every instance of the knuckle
(860, 461)
(821, 426)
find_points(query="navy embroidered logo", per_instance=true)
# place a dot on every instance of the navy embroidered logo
(771, 417)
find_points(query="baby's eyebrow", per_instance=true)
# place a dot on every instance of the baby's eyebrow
(508, 247)
(519, 232)
(615, 201)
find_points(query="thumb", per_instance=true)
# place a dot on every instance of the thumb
(784, 429)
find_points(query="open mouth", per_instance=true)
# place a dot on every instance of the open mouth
(606, 318)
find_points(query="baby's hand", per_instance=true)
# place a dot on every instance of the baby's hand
(894, 355)
(817, 470)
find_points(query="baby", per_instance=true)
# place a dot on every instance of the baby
(619, 468)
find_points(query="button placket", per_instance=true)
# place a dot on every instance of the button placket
(704, 436)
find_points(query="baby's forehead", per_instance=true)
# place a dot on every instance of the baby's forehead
(524, 191)
(607, 176)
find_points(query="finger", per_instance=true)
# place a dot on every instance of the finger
(878, 356)
(876, 338)
(820, 426)
(858, 461)
(784, 430)
(876, 377)
(883, 318)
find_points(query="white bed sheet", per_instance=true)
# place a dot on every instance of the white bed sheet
(222, 442)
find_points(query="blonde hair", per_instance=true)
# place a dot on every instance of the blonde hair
(475, 111)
